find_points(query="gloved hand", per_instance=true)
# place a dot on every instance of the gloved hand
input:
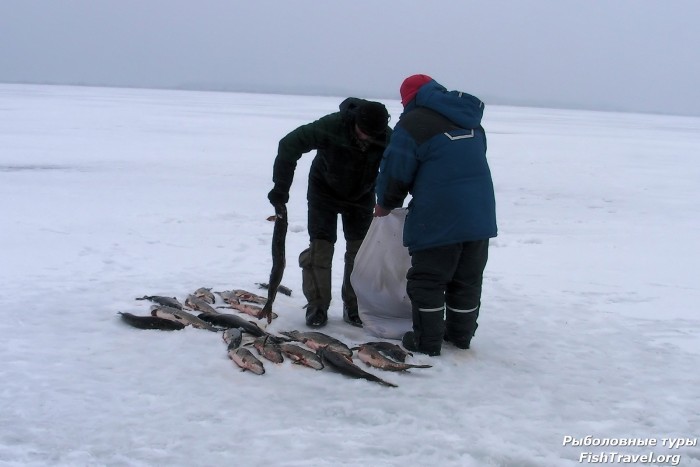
(278, 196)
(380, 211)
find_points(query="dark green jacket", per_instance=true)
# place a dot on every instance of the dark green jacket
(342, 173)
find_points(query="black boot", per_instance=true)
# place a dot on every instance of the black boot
(316, 317)
(460, 327)
(351, 315)
(461, 342)
(409, 342)
(428, 331)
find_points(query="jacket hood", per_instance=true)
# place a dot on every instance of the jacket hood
(372, 117)
(349, 105)
(461, 108)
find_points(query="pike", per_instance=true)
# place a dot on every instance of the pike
(205, 294)
(246, 360)
(227, 320)
(199, 304)
(232, 337)
(183, 316)
(390, 350)
(372, 357)
(301, 356)
(151, 322)
(344, 365)
(268, 348)
(317, 340)
(165, 301)
(279, 261)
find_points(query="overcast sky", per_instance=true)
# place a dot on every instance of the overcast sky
(629, 55)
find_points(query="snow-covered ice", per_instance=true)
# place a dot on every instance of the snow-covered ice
(589, 325)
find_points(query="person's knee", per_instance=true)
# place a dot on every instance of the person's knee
(321, 253)
(305, 259)
(351, 249)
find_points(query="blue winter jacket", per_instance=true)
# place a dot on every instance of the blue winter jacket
(437, 153)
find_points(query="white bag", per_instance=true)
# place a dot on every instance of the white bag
(379, 278)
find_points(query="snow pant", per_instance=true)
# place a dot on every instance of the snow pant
(316, 261)
(449, 277)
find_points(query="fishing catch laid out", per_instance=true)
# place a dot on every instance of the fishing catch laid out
(250, 345)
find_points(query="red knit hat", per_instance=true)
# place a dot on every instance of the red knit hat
(411, 85)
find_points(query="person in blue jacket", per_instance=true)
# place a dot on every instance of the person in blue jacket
(437, 154)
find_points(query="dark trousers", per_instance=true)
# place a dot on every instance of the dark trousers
(316, 260)
(323, 222)
(449, 277)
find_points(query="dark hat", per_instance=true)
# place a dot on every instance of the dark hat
(372, 118)
(411, 85)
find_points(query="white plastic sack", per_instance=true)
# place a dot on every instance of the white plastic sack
(379, 278)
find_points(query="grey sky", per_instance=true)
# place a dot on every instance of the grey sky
(628, 55)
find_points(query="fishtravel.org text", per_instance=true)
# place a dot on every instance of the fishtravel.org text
(613, 457)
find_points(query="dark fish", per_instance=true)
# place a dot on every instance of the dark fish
(344, 365)
(227, 320)
(279, 261)
(316, 340)
(233, 337)
(281, 289)
(301, 356)
(165, 301)
(268, 348)
(245, 359)
(391, 350)
(372, 357)
(151, 322)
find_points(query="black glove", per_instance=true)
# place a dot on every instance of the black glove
(278, 196)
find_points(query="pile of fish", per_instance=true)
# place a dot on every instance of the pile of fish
(312, 349)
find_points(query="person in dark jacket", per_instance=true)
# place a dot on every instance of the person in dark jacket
(349, 145)
(437, 154)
